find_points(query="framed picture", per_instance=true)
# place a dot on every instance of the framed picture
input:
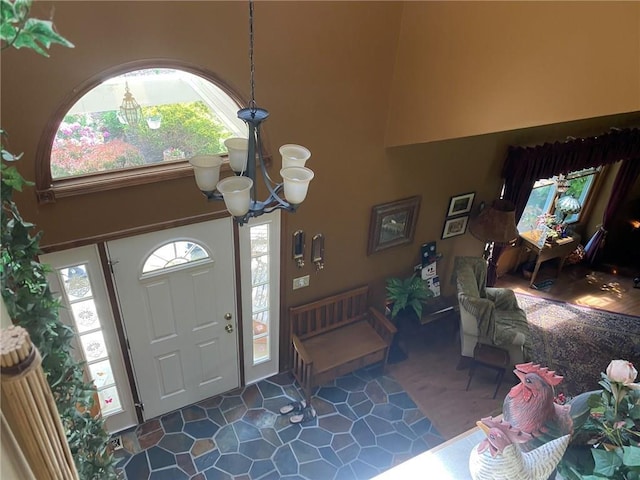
(393, 224)
(460, 204)
(455, 226)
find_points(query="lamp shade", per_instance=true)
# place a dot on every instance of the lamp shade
(236, 192)
(568, 205)
(294, 155)
(296, 183)
(238, 149)
(206, 169)
(495, 224)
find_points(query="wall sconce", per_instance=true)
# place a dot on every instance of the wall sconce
(317, 251)
(298, 248)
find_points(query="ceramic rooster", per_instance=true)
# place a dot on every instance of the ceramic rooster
(529, 406)
(499, 458)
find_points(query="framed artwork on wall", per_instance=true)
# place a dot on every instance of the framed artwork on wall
(460, 204)
(455, 226)
(393, 224)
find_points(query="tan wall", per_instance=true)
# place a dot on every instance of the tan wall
(324, 70)
(468, 68)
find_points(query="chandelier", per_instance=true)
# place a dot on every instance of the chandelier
(239, 191)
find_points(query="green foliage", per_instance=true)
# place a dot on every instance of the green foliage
(410, 292)
(606, 444)
(20, 31)
(104, 143)
(187, 126)
(25, 290)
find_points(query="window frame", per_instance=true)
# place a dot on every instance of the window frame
(595, 186)
(49, 189)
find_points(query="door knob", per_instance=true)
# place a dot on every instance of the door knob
(228, 327)
(228, 316)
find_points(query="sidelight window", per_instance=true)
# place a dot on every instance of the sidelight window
(78, 297)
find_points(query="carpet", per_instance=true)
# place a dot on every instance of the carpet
(579, 342)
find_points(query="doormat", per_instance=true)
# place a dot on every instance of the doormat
(544, 285)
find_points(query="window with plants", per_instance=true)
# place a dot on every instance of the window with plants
(147, 121)
(546, 205)
(25, 291)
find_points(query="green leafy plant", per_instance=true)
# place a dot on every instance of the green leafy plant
(407, 293)
(25, 290)
(606, 445)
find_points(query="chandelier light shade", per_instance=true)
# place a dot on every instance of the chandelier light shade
(496, 223)
(207, 171)
(239, 192)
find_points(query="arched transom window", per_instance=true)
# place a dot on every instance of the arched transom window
(136, 124)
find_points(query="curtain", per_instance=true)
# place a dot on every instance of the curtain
(524, 165)
(627, 175)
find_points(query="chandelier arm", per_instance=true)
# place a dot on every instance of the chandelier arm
(267, 180)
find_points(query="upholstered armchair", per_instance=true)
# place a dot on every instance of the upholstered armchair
(489, 315)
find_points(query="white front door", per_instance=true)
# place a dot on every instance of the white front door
(176, 290)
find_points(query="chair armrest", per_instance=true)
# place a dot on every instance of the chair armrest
(382, 325)
(302, 351)
(476, 306)
(504, 298)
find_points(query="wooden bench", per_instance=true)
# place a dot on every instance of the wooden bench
(335, 336)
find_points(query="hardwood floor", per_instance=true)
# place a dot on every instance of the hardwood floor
(430, 376)
(607, 290)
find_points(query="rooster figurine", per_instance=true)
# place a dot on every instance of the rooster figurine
(498, 457)
(529, 406)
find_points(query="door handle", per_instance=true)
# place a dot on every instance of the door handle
(228, 327)
(228, 316)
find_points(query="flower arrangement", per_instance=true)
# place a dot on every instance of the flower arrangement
(554, 228)
(607, 443)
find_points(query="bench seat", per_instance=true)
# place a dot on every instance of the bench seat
(336, 336)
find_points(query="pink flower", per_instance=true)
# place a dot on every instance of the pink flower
(622, 371)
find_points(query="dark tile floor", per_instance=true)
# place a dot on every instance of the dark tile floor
(365, 424)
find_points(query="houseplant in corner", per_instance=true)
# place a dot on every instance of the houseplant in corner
(25, 290)
(405, 299)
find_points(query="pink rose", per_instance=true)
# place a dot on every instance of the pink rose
(622, 371)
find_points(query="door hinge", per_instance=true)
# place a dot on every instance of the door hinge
(128, 344)
(139, 405)
(111, 263)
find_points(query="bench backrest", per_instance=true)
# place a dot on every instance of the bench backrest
(329, 313)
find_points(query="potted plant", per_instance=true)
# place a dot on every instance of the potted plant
(406, 296)
(173, 153)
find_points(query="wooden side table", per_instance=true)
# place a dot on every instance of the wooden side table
(561, 249)
(491, 357)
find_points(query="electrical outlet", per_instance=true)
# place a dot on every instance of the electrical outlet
(301, 282)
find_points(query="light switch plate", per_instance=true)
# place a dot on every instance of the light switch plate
(301, 282)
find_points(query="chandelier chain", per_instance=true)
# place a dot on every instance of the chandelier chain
(252, 104)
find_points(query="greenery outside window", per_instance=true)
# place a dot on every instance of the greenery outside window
(545, 193)
(137, 126)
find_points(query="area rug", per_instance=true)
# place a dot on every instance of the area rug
(579, 342)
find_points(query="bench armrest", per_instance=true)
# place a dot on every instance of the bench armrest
(382, 325)
(302, 351)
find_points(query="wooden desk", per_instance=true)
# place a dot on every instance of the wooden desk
(560, 250)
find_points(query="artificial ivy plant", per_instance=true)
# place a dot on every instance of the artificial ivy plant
(25, 290)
